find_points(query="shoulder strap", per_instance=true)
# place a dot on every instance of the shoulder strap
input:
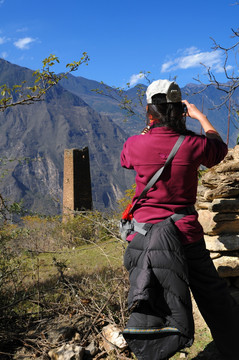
(157, 175)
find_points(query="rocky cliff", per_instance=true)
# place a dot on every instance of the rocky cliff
(41, 132)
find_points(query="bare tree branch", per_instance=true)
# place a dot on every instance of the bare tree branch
(231, 84)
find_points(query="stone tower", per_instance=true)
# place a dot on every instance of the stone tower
(77, 194)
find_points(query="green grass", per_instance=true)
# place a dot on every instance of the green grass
(83, 259)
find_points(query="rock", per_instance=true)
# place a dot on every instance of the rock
(222, 191)
(233, 153)
(182, 355)
(92, 349)
(202, 205)
(227, 266)
(218, 223)
(77, 337)
(113, 337)
(210, 179)
(67, 352)
(215, 255)
(61, 333)
(224, 205)
(200, 193)
(230, 166)
(222, 242)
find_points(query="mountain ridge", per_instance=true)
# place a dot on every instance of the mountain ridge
(74, 116)
(206, 101)
(43, 130)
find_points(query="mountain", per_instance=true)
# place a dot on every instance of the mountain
(42, 131)
(206, 100)
(74, 116)
(107, 104)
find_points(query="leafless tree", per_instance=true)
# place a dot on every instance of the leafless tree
(231, 83)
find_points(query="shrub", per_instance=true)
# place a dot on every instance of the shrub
(127, 199)
(88, 227)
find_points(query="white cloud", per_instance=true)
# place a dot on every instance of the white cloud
(135, 78)
(24, 43)
(193, 57)
(1, 2)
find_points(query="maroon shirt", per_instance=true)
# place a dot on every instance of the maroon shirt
(177, 187)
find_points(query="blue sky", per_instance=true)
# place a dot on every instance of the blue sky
(122, 38)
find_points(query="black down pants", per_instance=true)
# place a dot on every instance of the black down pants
(217, 306)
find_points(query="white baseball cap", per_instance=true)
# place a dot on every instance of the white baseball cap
(169, 88)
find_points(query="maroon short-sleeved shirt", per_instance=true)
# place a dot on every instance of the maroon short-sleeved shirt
(177, 186)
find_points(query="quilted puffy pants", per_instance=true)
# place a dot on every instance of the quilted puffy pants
(217, 306)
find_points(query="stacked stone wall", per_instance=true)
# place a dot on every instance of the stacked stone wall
(218, 209)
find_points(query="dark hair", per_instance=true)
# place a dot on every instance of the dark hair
(168, 114)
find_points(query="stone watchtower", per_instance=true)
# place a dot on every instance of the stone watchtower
(77, 194)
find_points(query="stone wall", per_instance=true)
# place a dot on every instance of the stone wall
(218, 209)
